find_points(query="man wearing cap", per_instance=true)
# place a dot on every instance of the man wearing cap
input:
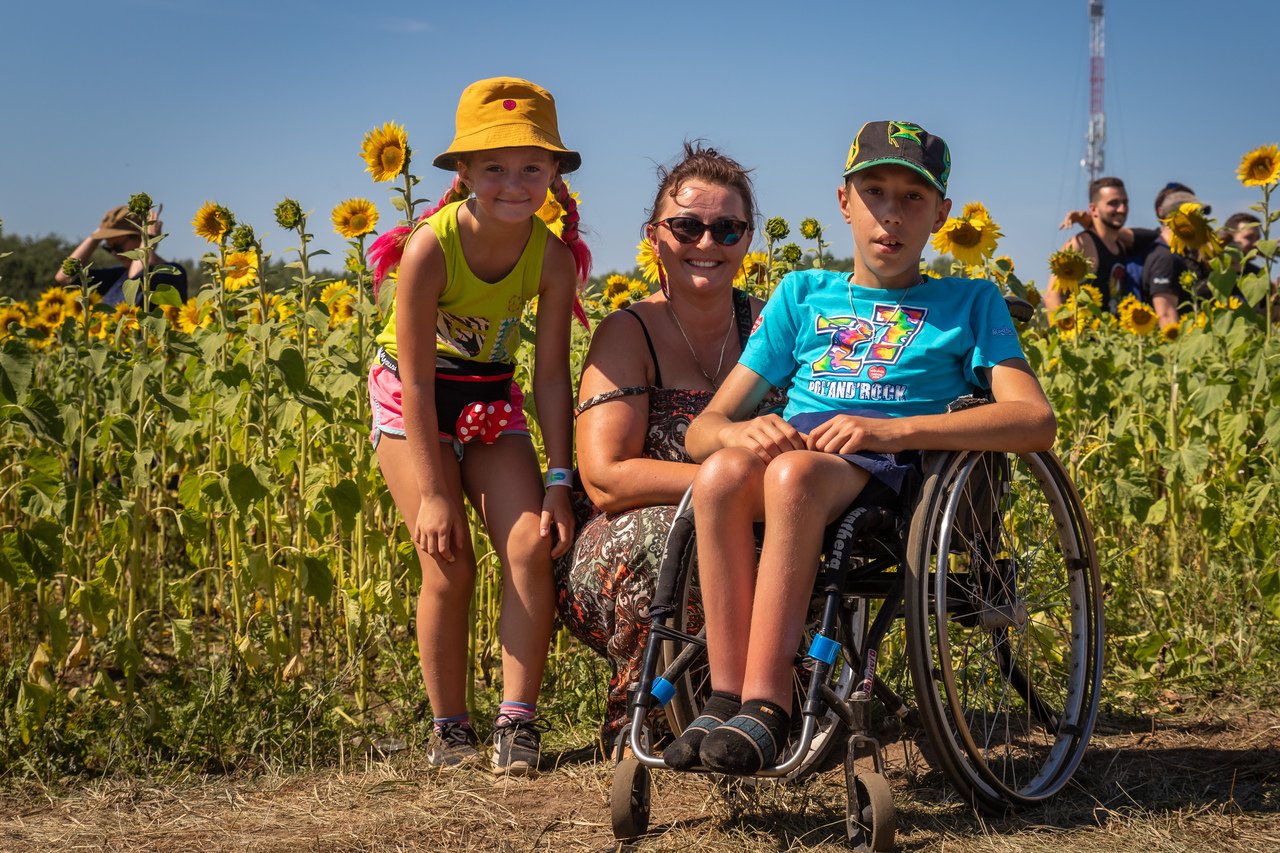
(120, 232)
(1164, 270)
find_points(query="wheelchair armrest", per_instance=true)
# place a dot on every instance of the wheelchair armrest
(1019, 309)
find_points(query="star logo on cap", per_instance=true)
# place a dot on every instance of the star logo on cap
(905, 130)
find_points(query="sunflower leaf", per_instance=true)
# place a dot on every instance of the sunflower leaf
(1267, 248)
(166, 294)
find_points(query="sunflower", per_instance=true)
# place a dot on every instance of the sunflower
(970, 239)
(241, 270)
(647, 261)
(15, 312)
(191, 315)
(1095, 296)
(335, 290)
(58, 302)
(1069, 268)
(1137, 317)
(1232, 303)
(638, 290)
(340, 310)
(213, 222)
(1001, 267)
(810, 229)
(276, 306)
(386, 151)
(124, 317)
(354, 218)
(620, 301)
(752, 264)
(552, 212)
(1260, 167)
(1065, 321)
(615, 284)
(1190, 233)
(170, 314)
(1170, 331)
(974, 210)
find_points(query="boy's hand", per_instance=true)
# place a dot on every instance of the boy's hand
(767, 436)
(850, 433)
(557, 510)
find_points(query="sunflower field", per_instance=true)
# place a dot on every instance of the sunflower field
(200, 565)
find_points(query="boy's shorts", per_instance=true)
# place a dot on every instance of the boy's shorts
(386, 403)
(892, 474)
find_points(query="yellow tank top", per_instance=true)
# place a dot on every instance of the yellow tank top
(477, 320)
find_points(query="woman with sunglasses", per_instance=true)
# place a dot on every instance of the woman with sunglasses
(651, 369)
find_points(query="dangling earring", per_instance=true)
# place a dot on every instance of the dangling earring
(662, 278)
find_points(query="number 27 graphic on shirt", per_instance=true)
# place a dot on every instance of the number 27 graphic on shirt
(856, 342)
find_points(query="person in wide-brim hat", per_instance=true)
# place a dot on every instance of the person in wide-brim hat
(506, 112)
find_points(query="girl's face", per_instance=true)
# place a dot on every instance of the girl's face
(702, 264)
(510, 183)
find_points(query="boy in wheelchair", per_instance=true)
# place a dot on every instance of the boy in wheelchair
(869, 361)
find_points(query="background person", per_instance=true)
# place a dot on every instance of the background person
(1169, 278)
(1101, 241)
(117, 233)
(650, 370)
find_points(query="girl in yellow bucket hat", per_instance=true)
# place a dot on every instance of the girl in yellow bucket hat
(447, 414)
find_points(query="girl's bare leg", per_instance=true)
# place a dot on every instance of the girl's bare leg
(504, 482)
(445, 599)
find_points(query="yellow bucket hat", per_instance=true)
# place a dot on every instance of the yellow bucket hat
(507, 112)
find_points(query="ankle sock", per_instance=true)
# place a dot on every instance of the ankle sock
(682, 753)
(437, 723)
(513, 711)
(749, 741)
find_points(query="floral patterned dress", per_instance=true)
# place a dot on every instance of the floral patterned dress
(605, 583)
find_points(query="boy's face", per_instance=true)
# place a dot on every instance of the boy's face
(891, 211)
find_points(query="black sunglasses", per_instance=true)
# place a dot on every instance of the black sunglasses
(687, 229)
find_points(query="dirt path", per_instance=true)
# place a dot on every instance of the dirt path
(1193, 783)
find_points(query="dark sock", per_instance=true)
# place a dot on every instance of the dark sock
(749, 741)
(682, 753)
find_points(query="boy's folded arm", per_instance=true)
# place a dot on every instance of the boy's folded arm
(1019, 421)
(726, 420)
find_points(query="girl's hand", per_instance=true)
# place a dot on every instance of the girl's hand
(850, 433)
(439, 528)
(767, 436)
(557, 510)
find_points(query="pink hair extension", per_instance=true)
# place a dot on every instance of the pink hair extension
(570, 236)
(385, 252)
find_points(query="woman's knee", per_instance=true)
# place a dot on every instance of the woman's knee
(525, 549)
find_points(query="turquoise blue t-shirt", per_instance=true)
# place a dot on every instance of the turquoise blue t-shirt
(832, 345)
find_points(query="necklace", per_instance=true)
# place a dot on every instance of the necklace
(897, 309)
(724, 345)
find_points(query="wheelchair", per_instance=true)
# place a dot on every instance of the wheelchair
(993, 570)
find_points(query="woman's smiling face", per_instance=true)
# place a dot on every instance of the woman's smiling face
(703, 264)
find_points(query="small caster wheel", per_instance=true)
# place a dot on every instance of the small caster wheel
(870, 819)
(629, 800)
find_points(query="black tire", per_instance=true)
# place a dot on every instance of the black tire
(871, 821)
(1004, 625)
(630, 799)
(694, 686)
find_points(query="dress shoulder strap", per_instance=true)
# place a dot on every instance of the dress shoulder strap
(742, 313)
(657, 371)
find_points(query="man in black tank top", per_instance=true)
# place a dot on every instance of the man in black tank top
(1100, 242)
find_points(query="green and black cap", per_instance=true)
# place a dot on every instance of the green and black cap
(902, 143)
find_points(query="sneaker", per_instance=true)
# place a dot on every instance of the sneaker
(517, 744)
(454, 744)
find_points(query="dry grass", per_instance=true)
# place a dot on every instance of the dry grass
(1191, 783)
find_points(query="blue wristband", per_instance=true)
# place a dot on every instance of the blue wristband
(560, 477)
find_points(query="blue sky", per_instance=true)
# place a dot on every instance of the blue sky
(248, 102)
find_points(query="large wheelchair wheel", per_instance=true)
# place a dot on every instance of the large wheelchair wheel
(694, 686)
(1004, 624)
